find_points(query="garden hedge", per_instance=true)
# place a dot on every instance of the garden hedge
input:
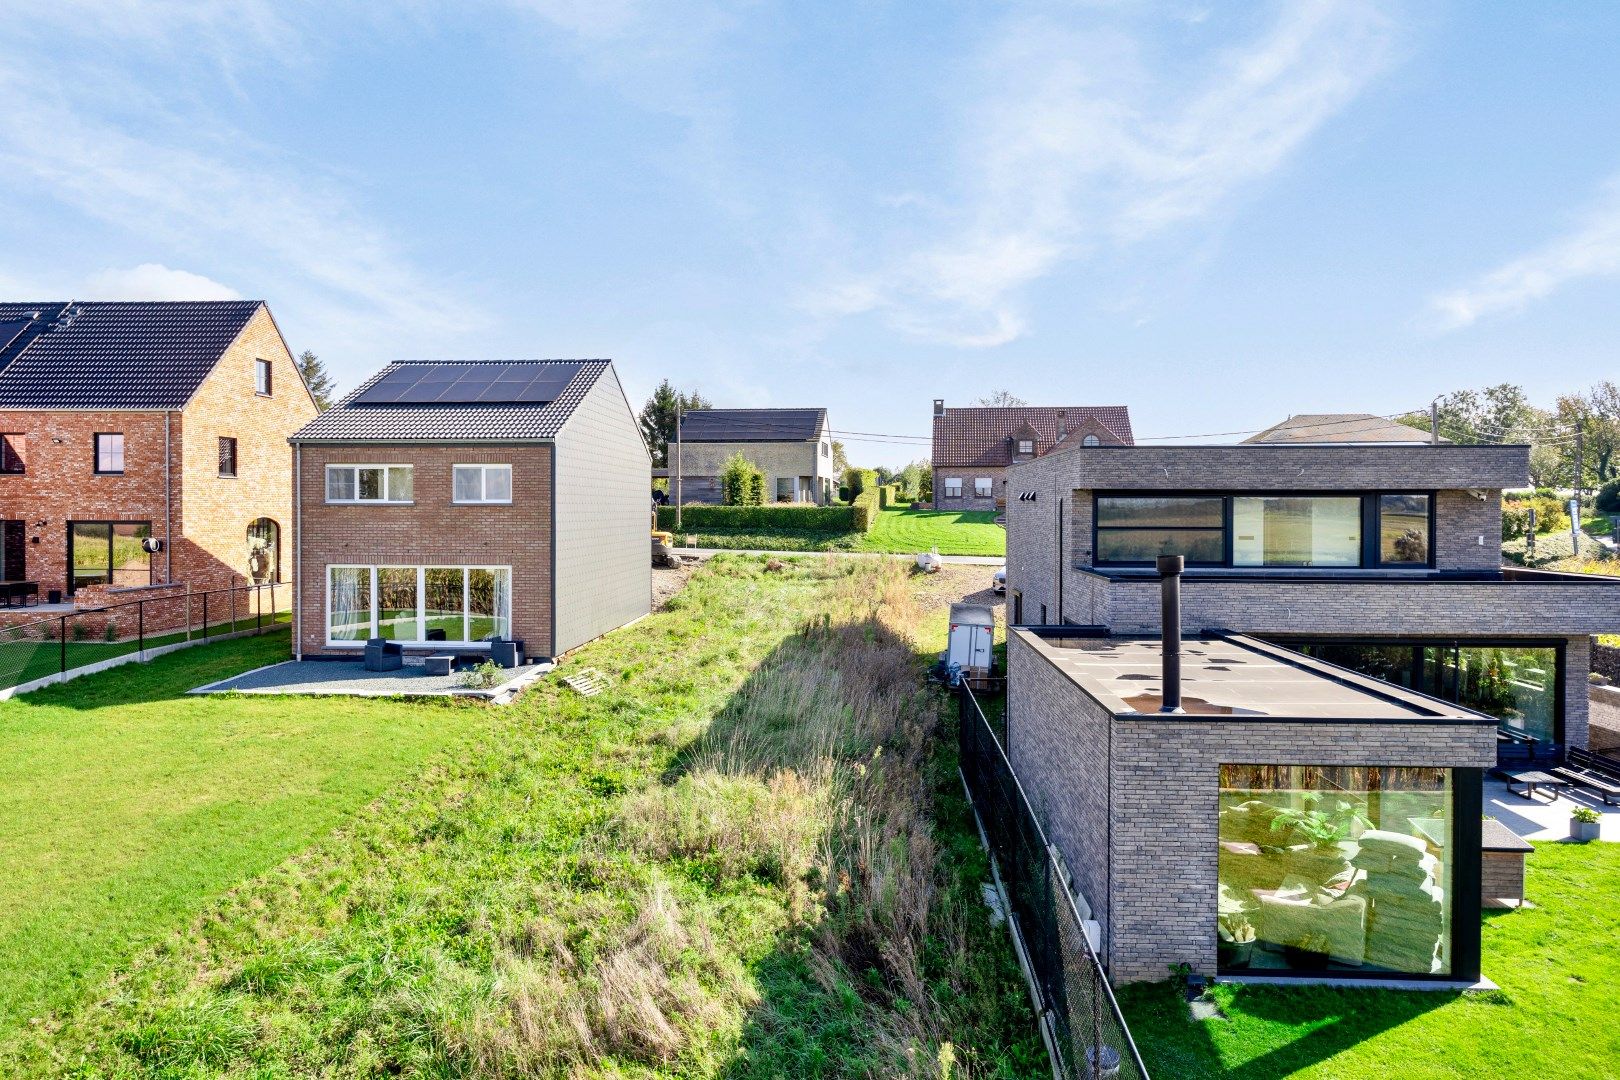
(788, 518)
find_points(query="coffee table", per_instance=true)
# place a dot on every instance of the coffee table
(1534, 779)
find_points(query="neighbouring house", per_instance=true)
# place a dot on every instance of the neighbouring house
(973, 446)
(1341, 428)
(143, 446)
(791, 447)
(1359, 650)
(443, 505)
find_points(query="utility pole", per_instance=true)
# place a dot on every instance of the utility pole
(677, 465)
(1580, 474)
(1434, 422)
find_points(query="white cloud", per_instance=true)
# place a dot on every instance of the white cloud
(1590, 249)
(1072, 144)
(154, 281)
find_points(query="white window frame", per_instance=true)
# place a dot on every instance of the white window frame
(421, 603)
(1026, 446)
(355, 469)
(987, 483)
(483, 484)
(261, 365)
(1090, 440)
(950, 482)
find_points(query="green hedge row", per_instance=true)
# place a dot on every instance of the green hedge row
(866, 507)
(820, 519)
(888, 495)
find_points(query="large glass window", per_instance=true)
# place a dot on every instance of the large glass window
(369, 483)
(1403, 530)
(1293, 530)
(1136, 529)
(109, 553)
(1517, 684)
(1335, 868)
(419, 604)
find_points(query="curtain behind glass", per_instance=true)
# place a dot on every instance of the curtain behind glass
(349, 603)
(396, 604)
(1296, 531)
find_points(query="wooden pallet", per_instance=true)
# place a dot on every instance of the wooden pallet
(587, 682)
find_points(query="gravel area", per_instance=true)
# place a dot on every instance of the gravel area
(667, 581)
(336, 677)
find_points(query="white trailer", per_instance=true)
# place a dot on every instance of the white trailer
(972, 638)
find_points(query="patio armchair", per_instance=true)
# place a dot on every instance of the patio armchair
(384, 655)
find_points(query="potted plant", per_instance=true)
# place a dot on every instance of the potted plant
(1309, 953)
(1585, 823)
(258, 559)
(1236, 941)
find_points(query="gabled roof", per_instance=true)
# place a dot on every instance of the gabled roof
(113, 355)
(1339, 428)
(983, 436)
(487, 420)
(753, 425)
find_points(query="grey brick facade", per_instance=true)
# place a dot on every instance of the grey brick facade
(1132, 803)
(1050, 561)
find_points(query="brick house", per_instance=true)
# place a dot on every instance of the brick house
(792, 447)
(445, 504)
(973, 446)
(1372, 566)
(131, 426)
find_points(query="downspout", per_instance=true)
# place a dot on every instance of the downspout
(168, 511)
(298, 550)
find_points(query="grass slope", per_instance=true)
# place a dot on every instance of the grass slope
(1556, 963)
(747, 857)
(953, 532)
(125, 805)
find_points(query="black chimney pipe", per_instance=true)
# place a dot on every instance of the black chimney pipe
(1170, 567)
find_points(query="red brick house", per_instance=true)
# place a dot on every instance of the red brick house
(144, 445)
(973, 446)
(444, 505)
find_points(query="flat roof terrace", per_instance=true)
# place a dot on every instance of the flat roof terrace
(1231, 676)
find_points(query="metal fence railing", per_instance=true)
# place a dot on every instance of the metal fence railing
(1083, 1026)
(58, 644)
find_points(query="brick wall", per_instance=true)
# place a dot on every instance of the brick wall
(217, 509)
(1162, 798)
(61, 484)
(969, 500)
(433, 530)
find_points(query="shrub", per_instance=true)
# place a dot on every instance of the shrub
(858, 481)
(866, 510)
(741, 482)
(925, 486)
(788, 517)
(888, 495)
(1550, 515)
(1608, 498)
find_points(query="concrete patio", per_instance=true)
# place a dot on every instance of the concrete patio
(353, 680)
(1543, 818)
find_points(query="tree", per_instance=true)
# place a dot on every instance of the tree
(321, 386)
(1001, 399)
(658, 418)
(1597, 411)
(1496, 414)
(840, 459)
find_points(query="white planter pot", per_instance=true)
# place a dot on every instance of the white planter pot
(1584, 830)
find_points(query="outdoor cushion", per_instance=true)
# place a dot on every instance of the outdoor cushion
(1421, 869)
(1291, 913)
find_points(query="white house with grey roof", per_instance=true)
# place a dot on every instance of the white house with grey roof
(446, 505)
(792, 447)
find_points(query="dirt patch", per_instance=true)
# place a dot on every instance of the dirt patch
(958, 583)
(666, 582)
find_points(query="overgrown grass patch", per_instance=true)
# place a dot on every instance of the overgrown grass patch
(748, 856)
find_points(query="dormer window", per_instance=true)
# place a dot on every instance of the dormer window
(1091, 440)
(1026, 446)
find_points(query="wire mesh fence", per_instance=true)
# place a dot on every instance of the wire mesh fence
(1087, 1034)
(59, 644)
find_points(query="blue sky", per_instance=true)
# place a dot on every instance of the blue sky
(1215, 214)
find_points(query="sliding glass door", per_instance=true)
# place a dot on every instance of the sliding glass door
(419, 604)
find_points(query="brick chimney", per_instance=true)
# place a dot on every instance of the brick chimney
(1063, 424)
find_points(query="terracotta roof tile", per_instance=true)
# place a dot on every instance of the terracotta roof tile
(982, 436)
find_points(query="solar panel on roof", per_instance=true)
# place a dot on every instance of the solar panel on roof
(11, 329)
(466, 384)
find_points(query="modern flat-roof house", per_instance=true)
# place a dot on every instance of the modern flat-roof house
(792, 447)
(973, 446)
(443, 505)
(131, 426)
(1364, 654)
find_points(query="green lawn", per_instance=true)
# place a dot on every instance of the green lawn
(748, 856)
(126, 806)
(1557, 964)
(25, 657)
(953, 532)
